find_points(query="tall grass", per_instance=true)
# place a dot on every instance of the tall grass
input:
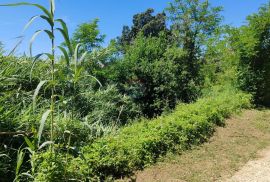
(53, 25)
(46, 87)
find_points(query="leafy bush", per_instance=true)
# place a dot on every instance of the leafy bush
(142, 143)
(148, 74)
(221, 64)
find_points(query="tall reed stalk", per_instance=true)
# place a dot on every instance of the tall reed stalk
(70, 55)
(53, 71)
(49, 17)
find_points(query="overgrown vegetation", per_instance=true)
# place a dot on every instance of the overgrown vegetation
(95, 113)
(252, 43)
(142, 143)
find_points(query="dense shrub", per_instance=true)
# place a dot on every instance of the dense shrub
(147, 76)
(142, 143)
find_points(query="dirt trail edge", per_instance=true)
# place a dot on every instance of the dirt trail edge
(224, 158)
(256, 170)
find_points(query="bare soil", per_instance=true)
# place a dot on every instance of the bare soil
(255, 170)
(221, 159)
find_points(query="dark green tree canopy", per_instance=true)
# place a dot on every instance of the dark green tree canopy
(147, 23)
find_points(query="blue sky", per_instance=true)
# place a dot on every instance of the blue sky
(113, 14)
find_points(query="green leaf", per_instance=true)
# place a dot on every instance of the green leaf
(36, 92)
(42, 8)
(45, 144)
(34, 63)
(29, 143)
(35, 60)
(67, 41)
(16, 46)
(20, 157)
(76, 52)
(49, 33)
(42, 123)
(48, 19)
(28, 175)
(100, 84)
(83, 57)
(65, 34)
(32, 19)
(64, 51)
(50, 56)
(33, 39)
(64, 26)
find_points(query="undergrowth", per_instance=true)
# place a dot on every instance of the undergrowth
(142, 143)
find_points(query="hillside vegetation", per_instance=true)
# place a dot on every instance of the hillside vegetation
(245, 138)
(83, 112)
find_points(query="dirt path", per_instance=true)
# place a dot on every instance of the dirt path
(255, 170)
(228, 151)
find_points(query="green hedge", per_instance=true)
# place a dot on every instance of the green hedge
(141, 144)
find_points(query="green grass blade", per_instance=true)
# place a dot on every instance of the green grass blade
(27, 175)
(42, 8)
(32, 19)
(100, 84)
(33, 39)
(29, 143)
(64, 51)
(63, 25)
(42, 123)
(16, 46)
(49, 33)
(20, 157)
(48, 19)
(83, 57)
(34, 63)
(65, 34)
(76, 52)
(36, 58)
(36, 92)
(50, 56)
(45, 144)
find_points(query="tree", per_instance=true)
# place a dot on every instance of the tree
(252, 41)
(88, 35)
(193, 22)
(147, 23)
(146, 75)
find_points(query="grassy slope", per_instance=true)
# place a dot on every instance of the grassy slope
(229, 149)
